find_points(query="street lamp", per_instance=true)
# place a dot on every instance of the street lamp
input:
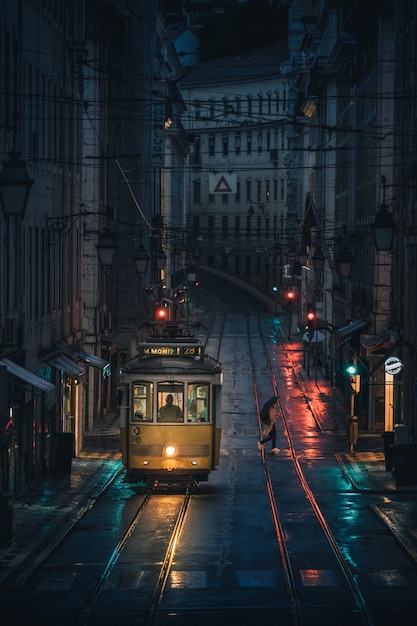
(141, 260)
(318, 259)
(383, 229)
(160, 260)
(106, 248)
(344, 262)
(15, 186)
(302, 255)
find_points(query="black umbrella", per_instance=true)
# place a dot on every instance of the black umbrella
(265, 409)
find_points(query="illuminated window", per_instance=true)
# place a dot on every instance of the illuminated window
(142, 402)
(170, 402)
(197, 402)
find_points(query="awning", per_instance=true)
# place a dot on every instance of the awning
(376, 345)
(65, 364)
(33, 379)
(351, 328)
(92, 359)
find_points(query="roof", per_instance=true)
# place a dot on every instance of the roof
(31, 378)
(257, 64)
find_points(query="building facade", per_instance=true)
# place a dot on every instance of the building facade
(356, 153)
(237, 115)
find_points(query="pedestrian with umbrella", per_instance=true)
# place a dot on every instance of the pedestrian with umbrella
(268, 418)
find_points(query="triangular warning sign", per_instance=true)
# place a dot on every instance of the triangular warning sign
(222, 186)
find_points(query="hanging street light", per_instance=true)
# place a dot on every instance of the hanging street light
(318, 259)
(141, 259)
(302, 255)
(106, 248)
(383, 229)
(344, 262)
(160, 259)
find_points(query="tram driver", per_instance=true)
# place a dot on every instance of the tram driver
(170, 412)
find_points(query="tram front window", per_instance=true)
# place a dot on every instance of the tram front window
(142, 402)
(170, 402)
(198, 394)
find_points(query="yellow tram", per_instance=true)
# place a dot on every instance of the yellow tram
(170, 418)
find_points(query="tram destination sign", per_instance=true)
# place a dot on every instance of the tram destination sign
(172, 350)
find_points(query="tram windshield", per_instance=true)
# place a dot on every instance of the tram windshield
(170, 402)
(197, 402)
(142, 402)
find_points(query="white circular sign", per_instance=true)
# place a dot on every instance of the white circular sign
(393, 365)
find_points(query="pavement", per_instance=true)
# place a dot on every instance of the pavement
(46, 512)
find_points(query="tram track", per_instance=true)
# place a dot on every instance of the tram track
(295, 604)
(127, 547)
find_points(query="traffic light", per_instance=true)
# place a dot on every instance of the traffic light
(310, 316)
(351, 368)
(161, 313)
(290, 295)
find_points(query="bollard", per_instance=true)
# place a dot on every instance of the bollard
(352, 431)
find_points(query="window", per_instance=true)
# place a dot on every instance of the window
(248, 191)
(237, 197)
(197, 402)
(196, 226)
(248, 143)
(237, 143)
(142, 402)
(260, 103)
(237, 226)
(268, 190)
(212, 105)
(170, 402)
(238, 106)
(249, 105)
(259, 190)
(225, 145)
(196, 191)
(210, 226)
(260, 142)
(211, 146)
(225, 227)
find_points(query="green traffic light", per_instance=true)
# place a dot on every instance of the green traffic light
(351, 369)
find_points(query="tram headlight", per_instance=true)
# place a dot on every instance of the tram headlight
(170, 450)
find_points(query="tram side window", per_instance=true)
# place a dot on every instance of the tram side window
(170, 402)
(142, 402)
(197, 402)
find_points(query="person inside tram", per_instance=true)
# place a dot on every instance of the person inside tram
(170, 412)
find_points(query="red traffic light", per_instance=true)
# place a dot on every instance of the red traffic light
(290, 295)
(310, 316)
(161, 313)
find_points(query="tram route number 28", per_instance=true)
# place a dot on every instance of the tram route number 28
(135, 438)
